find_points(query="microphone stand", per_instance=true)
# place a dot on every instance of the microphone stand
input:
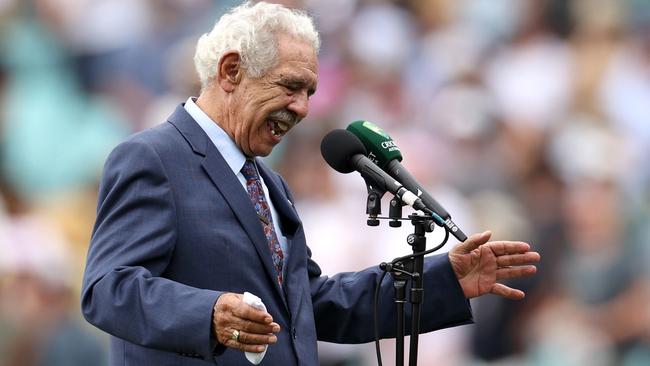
(418, 242)
(402, 269)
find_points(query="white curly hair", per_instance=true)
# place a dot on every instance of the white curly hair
(250, 29)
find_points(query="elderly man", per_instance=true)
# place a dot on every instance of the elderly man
(188, 220)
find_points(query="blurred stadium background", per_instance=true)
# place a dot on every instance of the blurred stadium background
(527, 117)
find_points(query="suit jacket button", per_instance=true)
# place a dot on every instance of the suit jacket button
(295, 336)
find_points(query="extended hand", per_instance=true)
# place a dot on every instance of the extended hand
(478, 265)
(231, 317)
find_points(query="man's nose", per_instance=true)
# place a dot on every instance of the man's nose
(300, 104)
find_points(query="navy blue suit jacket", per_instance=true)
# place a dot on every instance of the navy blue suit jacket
(175, 229)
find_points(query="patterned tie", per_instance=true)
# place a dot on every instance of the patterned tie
(256, 194)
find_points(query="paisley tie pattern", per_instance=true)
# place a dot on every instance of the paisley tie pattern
(256, 194)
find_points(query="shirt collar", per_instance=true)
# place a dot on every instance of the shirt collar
(227, 147)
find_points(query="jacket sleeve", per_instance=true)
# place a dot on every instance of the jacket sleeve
(344, 303)
(344, 310)
(133, 240)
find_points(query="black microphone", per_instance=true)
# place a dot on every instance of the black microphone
(344, 152)
(384, 152)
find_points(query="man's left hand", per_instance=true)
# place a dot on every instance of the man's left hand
(479, 264)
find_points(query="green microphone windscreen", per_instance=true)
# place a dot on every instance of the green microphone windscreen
(381, 148)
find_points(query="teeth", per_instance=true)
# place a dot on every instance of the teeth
(279, 128)
(284, 127)
(274, 129)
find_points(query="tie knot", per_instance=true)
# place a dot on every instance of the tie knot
(249, 171)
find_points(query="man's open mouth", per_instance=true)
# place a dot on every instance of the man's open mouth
(278, 128)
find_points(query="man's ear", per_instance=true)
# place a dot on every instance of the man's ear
(230, 71)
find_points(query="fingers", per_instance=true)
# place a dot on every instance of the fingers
(258, 328)
(255, 327)
(483, 262)
(515, 272)
(245, 311)
(518, 259)
(474, 241)
(500, 248)
(507, 292)
(509, 273)
(247, 338)
(244, 347)
(516, 265)
(249, 342)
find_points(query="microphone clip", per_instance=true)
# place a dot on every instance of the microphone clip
(373, 207)
(373, 204)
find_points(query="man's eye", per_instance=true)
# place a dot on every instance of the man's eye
(291, 87)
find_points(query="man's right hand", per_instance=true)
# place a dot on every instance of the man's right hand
(256, 327)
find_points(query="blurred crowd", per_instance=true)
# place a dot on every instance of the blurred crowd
(530, 118)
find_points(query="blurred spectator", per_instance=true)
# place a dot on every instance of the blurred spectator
(54, 137)
(624, 95)
(38, 325)
(602, 295)
(537, 56)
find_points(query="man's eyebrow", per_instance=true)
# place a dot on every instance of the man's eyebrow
(298, 82)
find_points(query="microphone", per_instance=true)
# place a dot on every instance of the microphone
(343, 151)
(383, 151)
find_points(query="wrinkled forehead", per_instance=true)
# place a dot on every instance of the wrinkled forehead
(298, 58)
(295, 48)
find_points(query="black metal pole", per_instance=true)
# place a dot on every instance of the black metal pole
(402, 269)
(400, 300)
(419, 244)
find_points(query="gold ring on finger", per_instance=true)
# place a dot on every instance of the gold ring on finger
(235, 335)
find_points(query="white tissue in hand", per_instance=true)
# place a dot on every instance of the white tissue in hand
(254, 301)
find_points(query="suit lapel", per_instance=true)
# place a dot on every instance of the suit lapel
(290, 224)
(289, 220)
(227, 183)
